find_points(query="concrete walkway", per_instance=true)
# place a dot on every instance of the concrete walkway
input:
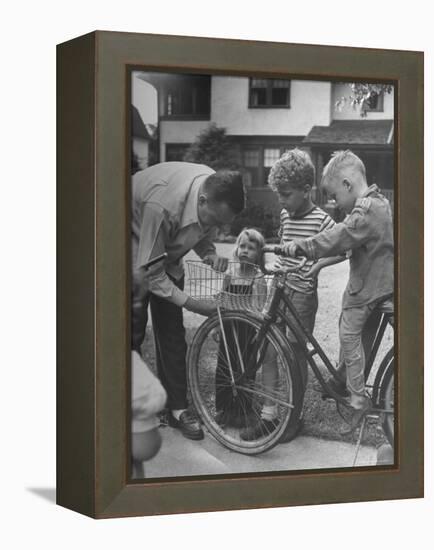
(182, 457)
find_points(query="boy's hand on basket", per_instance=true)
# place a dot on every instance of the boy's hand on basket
(202, 307)
(218, 263)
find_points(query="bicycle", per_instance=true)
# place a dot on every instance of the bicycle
(259, 322)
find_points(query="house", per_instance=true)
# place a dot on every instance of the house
(264, 117)
(142, 135)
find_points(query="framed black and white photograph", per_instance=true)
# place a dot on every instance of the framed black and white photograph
(248, 290)
(238, 384)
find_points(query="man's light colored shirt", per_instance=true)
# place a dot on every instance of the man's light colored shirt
(165, 219)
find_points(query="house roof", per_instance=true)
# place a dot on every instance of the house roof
(352, 132)
(138, 127)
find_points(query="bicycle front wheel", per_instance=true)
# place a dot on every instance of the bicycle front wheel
(236, 376)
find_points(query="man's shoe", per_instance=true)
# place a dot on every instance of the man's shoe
(261, 429)
(358, 415)
(187, 424)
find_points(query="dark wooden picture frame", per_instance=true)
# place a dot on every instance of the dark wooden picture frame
(93, 274)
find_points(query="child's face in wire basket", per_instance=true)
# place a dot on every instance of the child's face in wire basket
(247, 251)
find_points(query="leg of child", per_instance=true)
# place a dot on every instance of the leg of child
(269, 381)
(306, 306)
(351, 326)
(265, 423)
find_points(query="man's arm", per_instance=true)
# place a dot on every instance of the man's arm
(206, 250)
(154, 233)
(205, 247)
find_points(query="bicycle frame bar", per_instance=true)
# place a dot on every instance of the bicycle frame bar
(379, 333)
(303, 335)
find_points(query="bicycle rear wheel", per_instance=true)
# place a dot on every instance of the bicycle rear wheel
(384, 393)
(229, 395)
(389, 400)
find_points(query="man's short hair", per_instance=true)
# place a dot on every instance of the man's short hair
(340, 161)
(293, 169)
(226, 186)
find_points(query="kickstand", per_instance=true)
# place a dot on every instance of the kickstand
(359, 440)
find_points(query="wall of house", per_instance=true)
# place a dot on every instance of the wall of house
(176, 131)
(348, 113)
(310, 105)
(144, 98)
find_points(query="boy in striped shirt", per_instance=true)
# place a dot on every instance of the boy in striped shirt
(292, 178)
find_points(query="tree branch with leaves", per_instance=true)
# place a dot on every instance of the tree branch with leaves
(364, 95)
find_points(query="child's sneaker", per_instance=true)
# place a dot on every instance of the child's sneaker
(357, 416)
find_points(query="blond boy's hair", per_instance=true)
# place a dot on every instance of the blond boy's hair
(254, 236)
(341, 161)
(293, 169)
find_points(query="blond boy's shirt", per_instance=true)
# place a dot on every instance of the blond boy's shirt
(368, 233)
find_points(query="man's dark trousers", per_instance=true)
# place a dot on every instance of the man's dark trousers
(170, 345)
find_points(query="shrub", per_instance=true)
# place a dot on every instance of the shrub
(259, 217)
(213, 148)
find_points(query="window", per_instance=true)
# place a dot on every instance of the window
(258, 159)
(188, 97)
(176, 151)
(269, 92)
(270, 157)
(252, 162)
(375, 103)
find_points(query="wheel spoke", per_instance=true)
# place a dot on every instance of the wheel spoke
(226, 378)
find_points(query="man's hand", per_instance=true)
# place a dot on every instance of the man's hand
(218, 263)
(202, 307)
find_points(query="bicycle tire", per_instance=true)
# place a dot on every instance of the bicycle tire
(203, 359)
(384, 392)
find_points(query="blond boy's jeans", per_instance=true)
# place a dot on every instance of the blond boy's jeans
(351, 325)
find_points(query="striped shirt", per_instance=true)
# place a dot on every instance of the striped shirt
(309, 225)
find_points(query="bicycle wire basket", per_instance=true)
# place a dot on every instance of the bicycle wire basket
(241, 287)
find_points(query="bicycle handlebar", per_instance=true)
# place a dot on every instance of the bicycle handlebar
(277, 249)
